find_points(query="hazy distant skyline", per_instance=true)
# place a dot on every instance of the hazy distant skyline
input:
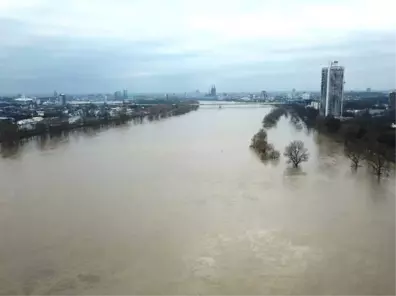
(182, 45)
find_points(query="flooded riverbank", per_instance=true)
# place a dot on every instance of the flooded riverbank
(182, 205)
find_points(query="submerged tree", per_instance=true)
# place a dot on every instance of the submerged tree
(271, 119)
(296, 153)
(355, 152)
(259, 140)
(8, 131)
(272, 153)
(378, 159)
(265, 150)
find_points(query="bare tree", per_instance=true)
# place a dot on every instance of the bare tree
(355, 152)
(378, 160)
(296, 153)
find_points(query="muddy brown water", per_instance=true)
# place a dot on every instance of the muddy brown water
(183, 206)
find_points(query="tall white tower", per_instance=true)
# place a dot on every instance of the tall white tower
(332, 90)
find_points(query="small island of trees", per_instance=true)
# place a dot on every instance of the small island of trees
(295, 151)
(265, 150)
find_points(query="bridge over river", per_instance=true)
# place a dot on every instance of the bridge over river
(220, 105)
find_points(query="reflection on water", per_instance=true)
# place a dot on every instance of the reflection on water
(292, 171)
(182, 205)
(51, 141)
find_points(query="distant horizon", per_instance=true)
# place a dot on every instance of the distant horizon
(219, 93)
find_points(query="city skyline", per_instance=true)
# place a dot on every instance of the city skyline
(91, 46)
(191, 92)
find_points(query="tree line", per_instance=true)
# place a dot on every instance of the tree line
(9, 131)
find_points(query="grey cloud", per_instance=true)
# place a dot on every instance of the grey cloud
(33, 63)
(91, 64)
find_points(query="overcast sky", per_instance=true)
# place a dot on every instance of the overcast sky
(79, 46)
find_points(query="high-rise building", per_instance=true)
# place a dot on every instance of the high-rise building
(368, 89)
(392, 100)
(125, 94)
(332, 90)
(62, 99)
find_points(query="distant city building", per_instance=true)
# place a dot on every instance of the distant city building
(55, 94)
(315, 105)
(125, 94)
(332, 90)
(263, 95)
(293, 94)
(306, 96)
(117, 94)
(368, 89)
(213, 91)
(392, 100)
(62, 99)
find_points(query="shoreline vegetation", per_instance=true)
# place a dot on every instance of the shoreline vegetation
(366, 139)
(369, 140)
(10, 132)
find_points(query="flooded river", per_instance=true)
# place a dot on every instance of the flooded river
(183, 206)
